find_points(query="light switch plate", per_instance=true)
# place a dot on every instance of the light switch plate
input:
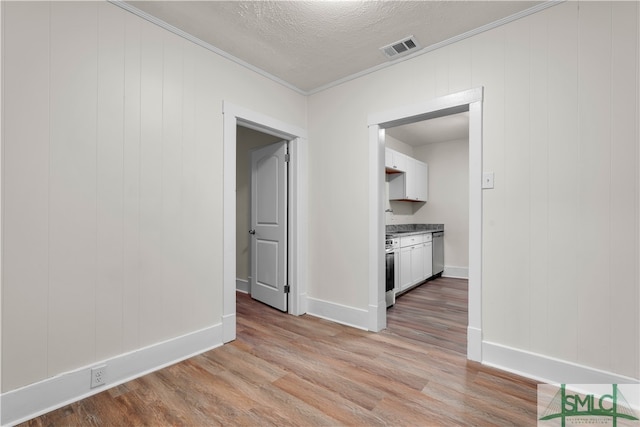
(487, 180)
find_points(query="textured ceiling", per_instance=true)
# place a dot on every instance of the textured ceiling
(310, 44)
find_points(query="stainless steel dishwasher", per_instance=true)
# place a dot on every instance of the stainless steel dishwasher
(438, 253)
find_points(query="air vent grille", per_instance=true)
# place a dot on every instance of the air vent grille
(400, 48)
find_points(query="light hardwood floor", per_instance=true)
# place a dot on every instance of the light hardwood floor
(304, 371)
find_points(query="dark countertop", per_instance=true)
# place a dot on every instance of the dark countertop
(400, 230)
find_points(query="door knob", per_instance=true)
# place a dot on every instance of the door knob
(252, 231)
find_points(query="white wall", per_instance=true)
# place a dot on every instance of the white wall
(123, 241)
(247, 140)
(112, 175)
(560, 131)
(448, 202)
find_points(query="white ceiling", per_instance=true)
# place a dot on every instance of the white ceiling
(441, 129)
(312, 44)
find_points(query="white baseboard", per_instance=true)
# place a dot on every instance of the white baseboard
(377, 316)
(39, 398)
(455, 272)
(350, 316)
(303, 306)
(474, 344)
(242, 286)
(546, 369)
(229, 327)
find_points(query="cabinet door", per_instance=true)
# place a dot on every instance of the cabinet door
(420, 173)
(388, 158)
(417, 263)
(405, 268)
(428, 260)
(395, 160)
(415, 184)
(410, 190)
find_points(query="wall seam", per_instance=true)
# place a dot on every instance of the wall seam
(610, 210)
(48, 316)
(97, 188)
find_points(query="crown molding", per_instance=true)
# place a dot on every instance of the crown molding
(535, 9)
(159, 22)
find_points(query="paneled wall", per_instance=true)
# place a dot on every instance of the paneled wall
(560, 229)
(112, 174)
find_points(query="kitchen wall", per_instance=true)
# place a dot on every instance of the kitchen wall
(448, 202)
(560, 132)
(112, 184)
(247, 140)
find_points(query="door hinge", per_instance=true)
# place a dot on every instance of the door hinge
(287, 289)
(286, 158)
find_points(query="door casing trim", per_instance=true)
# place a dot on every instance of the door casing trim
(469, 100)
(297, 238)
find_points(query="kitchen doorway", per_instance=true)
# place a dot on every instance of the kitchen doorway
(470, 101)
(443, 145)
(235, 116)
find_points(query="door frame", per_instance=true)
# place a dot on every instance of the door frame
(234, 115)
(469, 100)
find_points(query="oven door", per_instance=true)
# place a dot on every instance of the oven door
(391, 272)
(390, 281)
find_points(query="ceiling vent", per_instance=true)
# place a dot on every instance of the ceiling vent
(400, 48)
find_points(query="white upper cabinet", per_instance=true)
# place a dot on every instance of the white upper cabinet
(395, 161)
(416, 181)
(412, 184)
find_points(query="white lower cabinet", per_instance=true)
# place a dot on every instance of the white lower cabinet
(428, 259)
(414, 260)
(406, 278)
(417, 263)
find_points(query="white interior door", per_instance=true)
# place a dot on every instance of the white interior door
(269, 225)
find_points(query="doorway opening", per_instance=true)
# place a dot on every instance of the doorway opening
(430, 277)
(468, 101)
(261, 183)
(236, 118)
(441, 143)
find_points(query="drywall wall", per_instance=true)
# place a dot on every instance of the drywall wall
(448, 202)
(112, 173)
(247, 140)
(560, 132)
(396, 144)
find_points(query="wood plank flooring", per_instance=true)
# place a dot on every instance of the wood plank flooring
(305, 371)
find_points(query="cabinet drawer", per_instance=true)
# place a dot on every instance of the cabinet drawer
(411, 240)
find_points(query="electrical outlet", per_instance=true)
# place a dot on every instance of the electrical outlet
(98, 376)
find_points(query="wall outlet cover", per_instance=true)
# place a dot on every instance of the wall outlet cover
(487, 180)
(98, 376)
